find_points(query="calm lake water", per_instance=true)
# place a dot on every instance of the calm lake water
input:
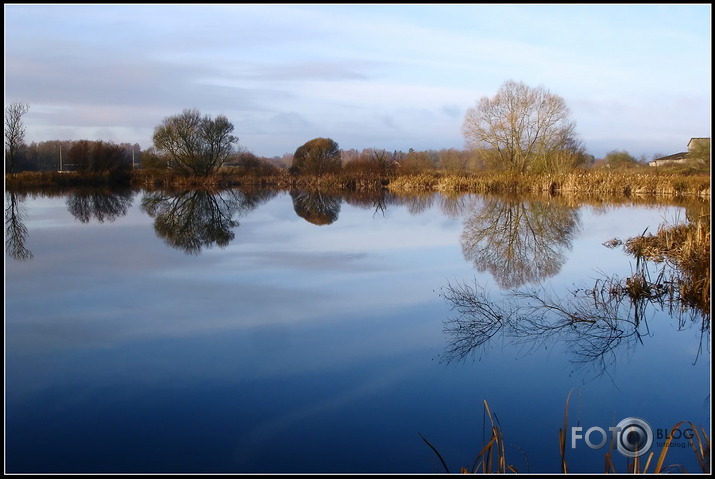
(276, 332)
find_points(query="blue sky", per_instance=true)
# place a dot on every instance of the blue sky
(635, 77)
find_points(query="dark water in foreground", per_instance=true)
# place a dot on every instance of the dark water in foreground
(293, 333)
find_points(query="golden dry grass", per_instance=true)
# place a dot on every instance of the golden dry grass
(582, 183)
(686, 247)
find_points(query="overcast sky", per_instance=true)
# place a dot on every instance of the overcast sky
(635, 77)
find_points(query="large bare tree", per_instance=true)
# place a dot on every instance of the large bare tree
(522, 128)
(194, 144)
(14, 132)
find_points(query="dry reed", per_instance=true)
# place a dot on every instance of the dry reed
(492, 457)
(686, 247)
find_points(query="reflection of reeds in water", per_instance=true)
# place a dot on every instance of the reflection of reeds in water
(492, 457)
(686, 248)
(593, 322)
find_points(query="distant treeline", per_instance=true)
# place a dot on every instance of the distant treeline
(82, 155)
(98, 156)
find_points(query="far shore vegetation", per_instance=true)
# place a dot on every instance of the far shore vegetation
(583, 184)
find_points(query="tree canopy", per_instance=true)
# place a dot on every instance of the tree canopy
(195, 144)
(700, 150)
(96, 156)
(620, 159)
(523, 128)
(317, 156)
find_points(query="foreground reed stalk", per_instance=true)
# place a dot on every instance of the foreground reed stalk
(492, 457)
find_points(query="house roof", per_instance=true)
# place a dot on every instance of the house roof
(683, 154)
(675, 156)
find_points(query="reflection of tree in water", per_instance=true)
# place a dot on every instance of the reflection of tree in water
(99, 203)
(593, 322)
(316, 207)
(377, 200)
(416, 202)
(519, 242)
(15, 229)
(455, 205)
(195, 219)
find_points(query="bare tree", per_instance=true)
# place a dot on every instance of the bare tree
(14, 132)
(521, 127)
(195, 144)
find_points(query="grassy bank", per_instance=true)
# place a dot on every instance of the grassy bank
(282, 181)
(29, 180)
(586, 184)
(686, 247)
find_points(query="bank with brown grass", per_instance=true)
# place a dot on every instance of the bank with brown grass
(583, 184)
(686, 247)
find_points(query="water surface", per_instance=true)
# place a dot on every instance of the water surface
(279, 332)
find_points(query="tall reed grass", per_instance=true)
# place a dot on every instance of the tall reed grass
(582, 183)
(492, 458)
(686, 247)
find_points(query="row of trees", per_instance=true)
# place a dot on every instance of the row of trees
(58, 155)
(520, 129)
(83, 155)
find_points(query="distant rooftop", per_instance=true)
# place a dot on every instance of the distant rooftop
(683, 155)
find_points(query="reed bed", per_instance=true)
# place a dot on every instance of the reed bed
(282, 181)
(686, 247)
(585, 183)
